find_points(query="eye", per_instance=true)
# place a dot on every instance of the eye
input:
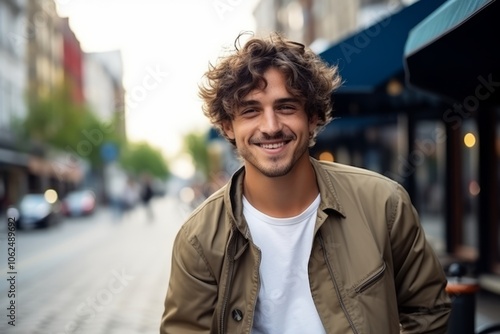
(287, 108)
(248, 112)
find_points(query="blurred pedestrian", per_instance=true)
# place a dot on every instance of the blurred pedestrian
(292, 244)
(146, 196)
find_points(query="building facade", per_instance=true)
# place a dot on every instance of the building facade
(72, 62)
(319, 24)
(13, 162)
(103, 86)
(44, 48)
(105, 94)
(39, 56)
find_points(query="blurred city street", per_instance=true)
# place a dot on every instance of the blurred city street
(93, 274)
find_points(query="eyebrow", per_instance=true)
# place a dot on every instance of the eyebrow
(247, 103)
(278, 101)
(288, 100)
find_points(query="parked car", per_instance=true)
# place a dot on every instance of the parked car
(38, 210)
(79, 203)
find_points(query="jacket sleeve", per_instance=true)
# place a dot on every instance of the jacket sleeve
(192, 290)
(424, 305)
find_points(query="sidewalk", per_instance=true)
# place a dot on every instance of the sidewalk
(487, 308)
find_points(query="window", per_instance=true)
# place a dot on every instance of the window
(470, 183)
(430, 162)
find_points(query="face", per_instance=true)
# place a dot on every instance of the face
(271, 128)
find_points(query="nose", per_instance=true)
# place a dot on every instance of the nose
(270, 122)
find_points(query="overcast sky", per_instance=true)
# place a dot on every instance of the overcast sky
(169, 42)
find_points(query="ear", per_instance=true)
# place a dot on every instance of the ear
(313, 123)
(227, 127)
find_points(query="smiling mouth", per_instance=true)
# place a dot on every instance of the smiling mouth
(273, 146)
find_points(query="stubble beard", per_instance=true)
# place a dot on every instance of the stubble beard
(275, 166)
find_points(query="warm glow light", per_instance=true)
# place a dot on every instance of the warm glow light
(50, 196)
(474, 188)
(394, 87)
(469, 140)
(326, 156)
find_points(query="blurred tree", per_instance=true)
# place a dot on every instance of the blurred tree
(140, 158)
(54, 120)
(59, 122)
(95, 133)
(195, 144)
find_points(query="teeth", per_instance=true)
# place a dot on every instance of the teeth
(273, 146)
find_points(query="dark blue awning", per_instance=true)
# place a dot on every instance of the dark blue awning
(371, 57)
(443, 20)
(455, 49)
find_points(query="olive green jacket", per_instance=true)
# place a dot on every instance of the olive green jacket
(370, 271)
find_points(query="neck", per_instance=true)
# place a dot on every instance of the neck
(284, 196)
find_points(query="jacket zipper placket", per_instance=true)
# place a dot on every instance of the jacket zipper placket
(232, 253)
(337, 290)
(258, 286)
(374, 278)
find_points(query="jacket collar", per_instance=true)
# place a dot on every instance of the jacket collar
(233, 195)
(329, 198)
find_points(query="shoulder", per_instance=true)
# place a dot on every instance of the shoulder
(350, 185)
(202, 239)
(346, 175)
(208, 222)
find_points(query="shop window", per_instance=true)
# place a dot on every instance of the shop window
(470, 189)
(429, 158)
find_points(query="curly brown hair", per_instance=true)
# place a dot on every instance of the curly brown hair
(237, 74)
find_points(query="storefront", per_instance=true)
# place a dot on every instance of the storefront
(454, 54)
(13, 176)
(383, 125)
(27, 171)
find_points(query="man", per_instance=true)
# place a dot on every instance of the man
(290, 244)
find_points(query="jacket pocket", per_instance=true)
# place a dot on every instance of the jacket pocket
(370, 280)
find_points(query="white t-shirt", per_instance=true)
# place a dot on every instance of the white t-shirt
(284, 304)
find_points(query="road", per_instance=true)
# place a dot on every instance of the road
(98, 274)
